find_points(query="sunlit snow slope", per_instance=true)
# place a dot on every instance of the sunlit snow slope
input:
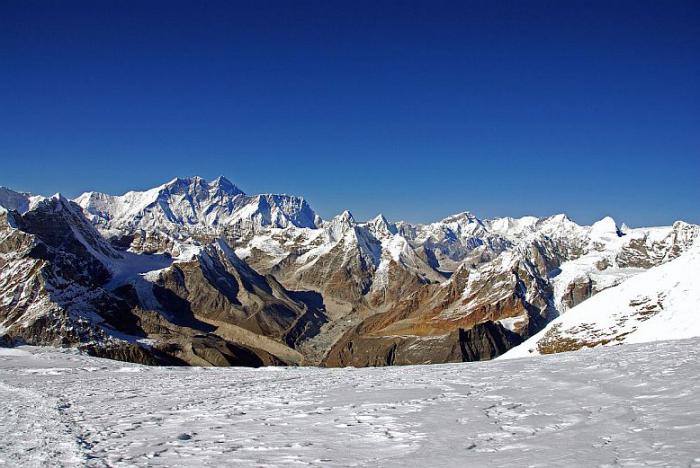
(634, 405)
(662, 303)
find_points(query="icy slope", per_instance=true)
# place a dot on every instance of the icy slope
(662, 303)
(634, 405)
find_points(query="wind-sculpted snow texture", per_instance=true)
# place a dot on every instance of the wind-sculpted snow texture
(200, 273)
(635, 405)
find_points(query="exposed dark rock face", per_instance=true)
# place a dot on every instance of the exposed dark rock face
(67, 241)
(485, 341)
(636, 255)
(218, 286)
(578, 291)
(362, 351)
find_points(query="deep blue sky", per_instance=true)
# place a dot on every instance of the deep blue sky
(413, 109)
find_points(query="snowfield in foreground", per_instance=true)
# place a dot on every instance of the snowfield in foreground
(632, 405)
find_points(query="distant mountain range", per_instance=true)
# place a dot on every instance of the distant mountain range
(197, 272)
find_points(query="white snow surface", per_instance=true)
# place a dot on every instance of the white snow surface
(662, 303)
(635, 405)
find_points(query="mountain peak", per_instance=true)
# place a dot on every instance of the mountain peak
(345, 216)
(177, 183)
(340, 224)
(225, 185)
(380, 218)
(606, 227)
(380, 225)
(559, 218)
(197, 184)
(467, 216)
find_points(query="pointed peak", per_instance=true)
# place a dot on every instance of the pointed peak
(340, 225)
(345, 216)
(55, 202)
(221, 180)
(379, 219)
(176, 182)
(557, 224)
(380, 225)
(464, 215)
(225, 185)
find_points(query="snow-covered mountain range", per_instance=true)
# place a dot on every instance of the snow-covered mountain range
(198, 272)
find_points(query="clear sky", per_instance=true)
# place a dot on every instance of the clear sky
(414, 109)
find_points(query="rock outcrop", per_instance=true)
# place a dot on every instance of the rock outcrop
(482, 342)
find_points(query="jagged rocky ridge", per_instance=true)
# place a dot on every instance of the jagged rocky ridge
(197, 272)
